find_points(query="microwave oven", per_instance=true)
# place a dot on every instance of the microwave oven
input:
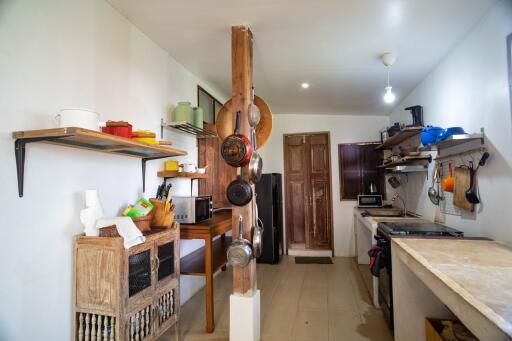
(369, 200)
(192, 210)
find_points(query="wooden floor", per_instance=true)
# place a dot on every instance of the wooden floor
(298, 302)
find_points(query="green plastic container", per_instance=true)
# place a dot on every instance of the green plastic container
(184, 113)
(198, 117)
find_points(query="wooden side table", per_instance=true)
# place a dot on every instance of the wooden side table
(210, 258)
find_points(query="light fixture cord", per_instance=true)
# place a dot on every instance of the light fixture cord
(387, 68)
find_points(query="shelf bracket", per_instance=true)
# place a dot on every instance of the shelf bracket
(19, 151)
(144, 160)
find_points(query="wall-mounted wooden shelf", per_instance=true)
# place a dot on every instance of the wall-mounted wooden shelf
(92, 140)
(408, 160)
(184, 175)
(169, 175)
(399, 137)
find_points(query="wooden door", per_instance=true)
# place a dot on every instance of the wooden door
(308, 191)
(320, 196)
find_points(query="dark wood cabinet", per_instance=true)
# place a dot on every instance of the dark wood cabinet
(308, 191)
(358, 167)
(220, 173)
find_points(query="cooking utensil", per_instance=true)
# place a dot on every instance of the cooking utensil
(240, 251)
(462, 183)
(448, 182)
(257, 233)
(429, 134)
(239, 192)
(432, 193)
(394, 182)
(471, 195)
(236, 149)
(449, 132)
(256, 163)
(254, 112)
(80, 118)
(172, 165)
(224, 121)
(188, 168)
(372, 187)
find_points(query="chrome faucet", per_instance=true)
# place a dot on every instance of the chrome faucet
(397, 196)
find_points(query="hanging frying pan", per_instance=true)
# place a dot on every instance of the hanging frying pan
(236, 149)
(240, 251)
(224, 121)
(239, 192)
(256, 163)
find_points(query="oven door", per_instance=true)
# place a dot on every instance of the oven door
(203, 208)
(385, 283)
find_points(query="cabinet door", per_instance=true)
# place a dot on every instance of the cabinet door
(140, 274)
(167, 258)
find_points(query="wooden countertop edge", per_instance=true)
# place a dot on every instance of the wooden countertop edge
(486, 311)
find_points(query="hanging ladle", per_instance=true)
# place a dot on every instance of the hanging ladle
(471, 193)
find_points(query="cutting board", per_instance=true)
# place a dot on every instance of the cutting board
(462, 180)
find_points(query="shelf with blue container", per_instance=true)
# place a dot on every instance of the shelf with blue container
(455, 140)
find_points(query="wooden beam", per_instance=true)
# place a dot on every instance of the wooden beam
(244, 279)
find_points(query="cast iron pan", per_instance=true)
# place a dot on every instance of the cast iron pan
(239, 192)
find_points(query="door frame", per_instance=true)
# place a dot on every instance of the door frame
(331, 218)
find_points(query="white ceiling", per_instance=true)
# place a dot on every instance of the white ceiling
(332, 44)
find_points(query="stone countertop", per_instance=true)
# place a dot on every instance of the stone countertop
(479, 271)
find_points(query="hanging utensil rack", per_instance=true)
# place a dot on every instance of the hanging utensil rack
(188, 128)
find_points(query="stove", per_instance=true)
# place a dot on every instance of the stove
(385, 231)
(418, 229)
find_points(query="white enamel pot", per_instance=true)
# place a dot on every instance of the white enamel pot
(80, 118)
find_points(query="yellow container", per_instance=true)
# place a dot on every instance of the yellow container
(171, 166)
(150, 140)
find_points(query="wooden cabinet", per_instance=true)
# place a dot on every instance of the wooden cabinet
(220, 173)
(358, 167)
(121, 294)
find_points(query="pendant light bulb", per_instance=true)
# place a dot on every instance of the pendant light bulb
(389, 96)
(388, 59)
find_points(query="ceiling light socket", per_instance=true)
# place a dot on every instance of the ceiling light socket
(389, 58)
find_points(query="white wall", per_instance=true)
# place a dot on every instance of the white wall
(470, 88)
(342, 129)
(56, 54)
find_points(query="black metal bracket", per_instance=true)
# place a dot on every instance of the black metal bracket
(19, 150)
(144, 160)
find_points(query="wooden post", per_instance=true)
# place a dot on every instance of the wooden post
(244, 279)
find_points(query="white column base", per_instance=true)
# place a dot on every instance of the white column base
(244, 317)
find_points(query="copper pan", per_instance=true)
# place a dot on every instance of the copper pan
(225, 120)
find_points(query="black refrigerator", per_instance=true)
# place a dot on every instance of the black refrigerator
(270, 209)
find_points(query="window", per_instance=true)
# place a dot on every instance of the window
(209, 104)
(358, 167)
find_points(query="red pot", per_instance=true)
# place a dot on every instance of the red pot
(236, 149)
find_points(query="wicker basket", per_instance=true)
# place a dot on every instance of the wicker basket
(143, 223)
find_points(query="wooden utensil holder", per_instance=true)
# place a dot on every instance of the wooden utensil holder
(161, 217)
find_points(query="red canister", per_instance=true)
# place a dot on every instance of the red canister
(123, 129)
